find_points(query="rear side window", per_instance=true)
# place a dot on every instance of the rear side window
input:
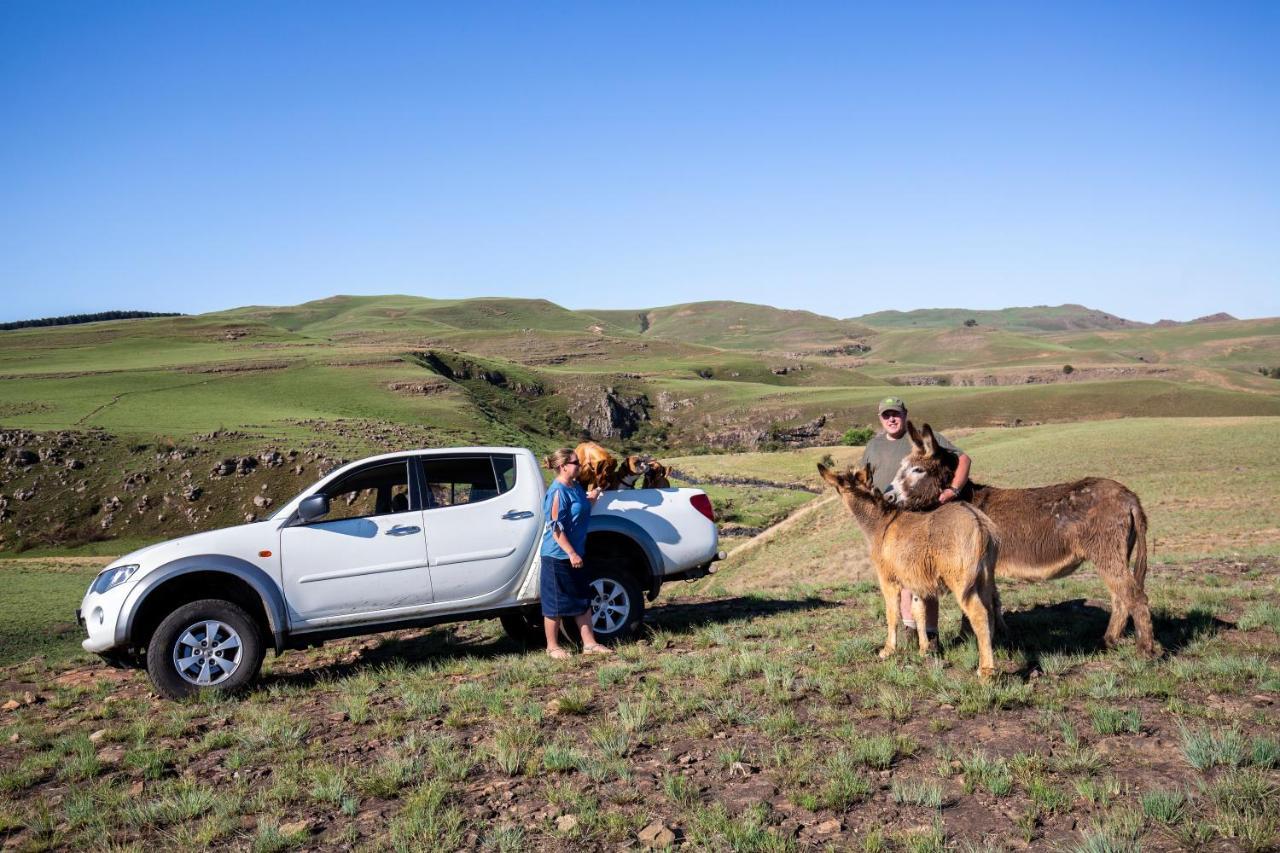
(505, 469)
(453, 481)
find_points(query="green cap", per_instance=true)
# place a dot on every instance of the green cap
(891, 403)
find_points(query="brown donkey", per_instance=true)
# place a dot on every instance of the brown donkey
(1047, 532)
(952, 546)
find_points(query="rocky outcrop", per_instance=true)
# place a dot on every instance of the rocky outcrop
(803, 435)
(610, 414)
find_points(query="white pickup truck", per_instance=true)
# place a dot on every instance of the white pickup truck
(394, 541)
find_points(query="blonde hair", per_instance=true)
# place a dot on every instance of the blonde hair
(556, 460)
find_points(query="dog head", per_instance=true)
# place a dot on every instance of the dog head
(656, 476)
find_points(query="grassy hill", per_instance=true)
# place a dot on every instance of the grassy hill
(739, 325)
(347, 376)
(1041, 318)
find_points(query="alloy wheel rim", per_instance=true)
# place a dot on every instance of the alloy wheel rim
(610, 607)
(207, 653)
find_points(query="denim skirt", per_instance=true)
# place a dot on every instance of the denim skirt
(565, 591)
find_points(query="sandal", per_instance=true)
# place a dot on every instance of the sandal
(558, 654)
(597, 649)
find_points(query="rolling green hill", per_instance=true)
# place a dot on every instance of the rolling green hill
(739, 325)
(347, 376)
(1041, 318)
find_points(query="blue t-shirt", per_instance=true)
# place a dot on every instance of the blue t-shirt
(572, 517)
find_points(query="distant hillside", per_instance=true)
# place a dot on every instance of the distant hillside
(339, 314)
(739, 325)
(164, 425)
(1220, 317)
(1040, 318)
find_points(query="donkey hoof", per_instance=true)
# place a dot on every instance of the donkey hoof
(1154, 650)
(886, 652)
(986, 672)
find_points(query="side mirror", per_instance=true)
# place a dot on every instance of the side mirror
(316, 506)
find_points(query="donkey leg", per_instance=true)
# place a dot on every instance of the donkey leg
(1116, 625)
(892, 591)
(979, 615)
(1126, 599)
(919, 614)
(1130, 600)
(997, 612)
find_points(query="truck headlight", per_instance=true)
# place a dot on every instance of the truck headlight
(113, 576)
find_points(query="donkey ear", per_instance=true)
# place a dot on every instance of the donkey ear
(930, 443)
(829, 475)
(914, 435)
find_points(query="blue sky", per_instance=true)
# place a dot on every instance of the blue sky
(841, 158)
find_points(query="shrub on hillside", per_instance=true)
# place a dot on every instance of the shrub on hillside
(1273, 372)
(1068, 369)
(857, 436)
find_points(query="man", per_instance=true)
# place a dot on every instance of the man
(884, 453)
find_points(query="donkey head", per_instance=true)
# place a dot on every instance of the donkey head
(853, 485)
(925, 471)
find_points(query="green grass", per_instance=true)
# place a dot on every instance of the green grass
(38, 600)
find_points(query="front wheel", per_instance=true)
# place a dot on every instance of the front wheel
(617, 604)
(204, 646)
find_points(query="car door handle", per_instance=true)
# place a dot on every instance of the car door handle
(403, 530)
(514, 514)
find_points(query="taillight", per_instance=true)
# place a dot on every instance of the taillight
(702, 504)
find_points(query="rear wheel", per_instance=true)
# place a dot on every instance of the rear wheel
(204, 646)
(617, 604)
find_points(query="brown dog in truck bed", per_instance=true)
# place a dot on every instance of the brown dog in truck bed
(596, 466)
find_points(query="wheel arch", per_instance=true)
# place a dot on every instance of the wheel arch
(205, 576)
(621, 539)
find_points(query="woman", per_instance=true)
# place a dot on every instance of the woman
(565, 591)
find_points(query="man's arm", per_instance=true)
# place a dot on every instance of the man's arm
(958, 479)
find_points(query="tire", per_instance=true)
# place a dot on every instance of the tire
(525, 627)
(617, 604)
(207, 645)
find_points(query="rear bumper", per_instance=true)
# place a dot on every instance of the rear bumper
(691, 574)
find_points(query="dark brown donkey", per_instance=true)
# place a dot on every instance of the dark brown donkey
(1047, 532)
(951, 547)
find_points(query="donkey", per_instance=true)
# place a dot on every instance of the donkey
(953, 546)
(1047, 532)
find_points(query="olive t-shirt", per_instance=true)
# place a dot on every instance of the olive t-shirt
(886, 454)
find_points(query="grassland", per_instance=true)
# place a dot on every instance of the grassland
(752, 713)
(339, 357)
(349, 376)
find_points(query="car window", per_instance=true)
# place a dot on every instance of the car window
(505, 468)
(377, 490)
(453, 481)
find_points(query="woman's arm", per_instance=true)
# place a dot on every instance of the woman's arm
(558, 534)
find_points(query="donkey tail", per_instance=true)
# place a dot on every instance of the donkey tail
(1138, 542)
(989, 549)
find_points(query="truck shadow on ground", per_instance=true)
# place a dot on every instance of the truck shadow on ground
(443, 643)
